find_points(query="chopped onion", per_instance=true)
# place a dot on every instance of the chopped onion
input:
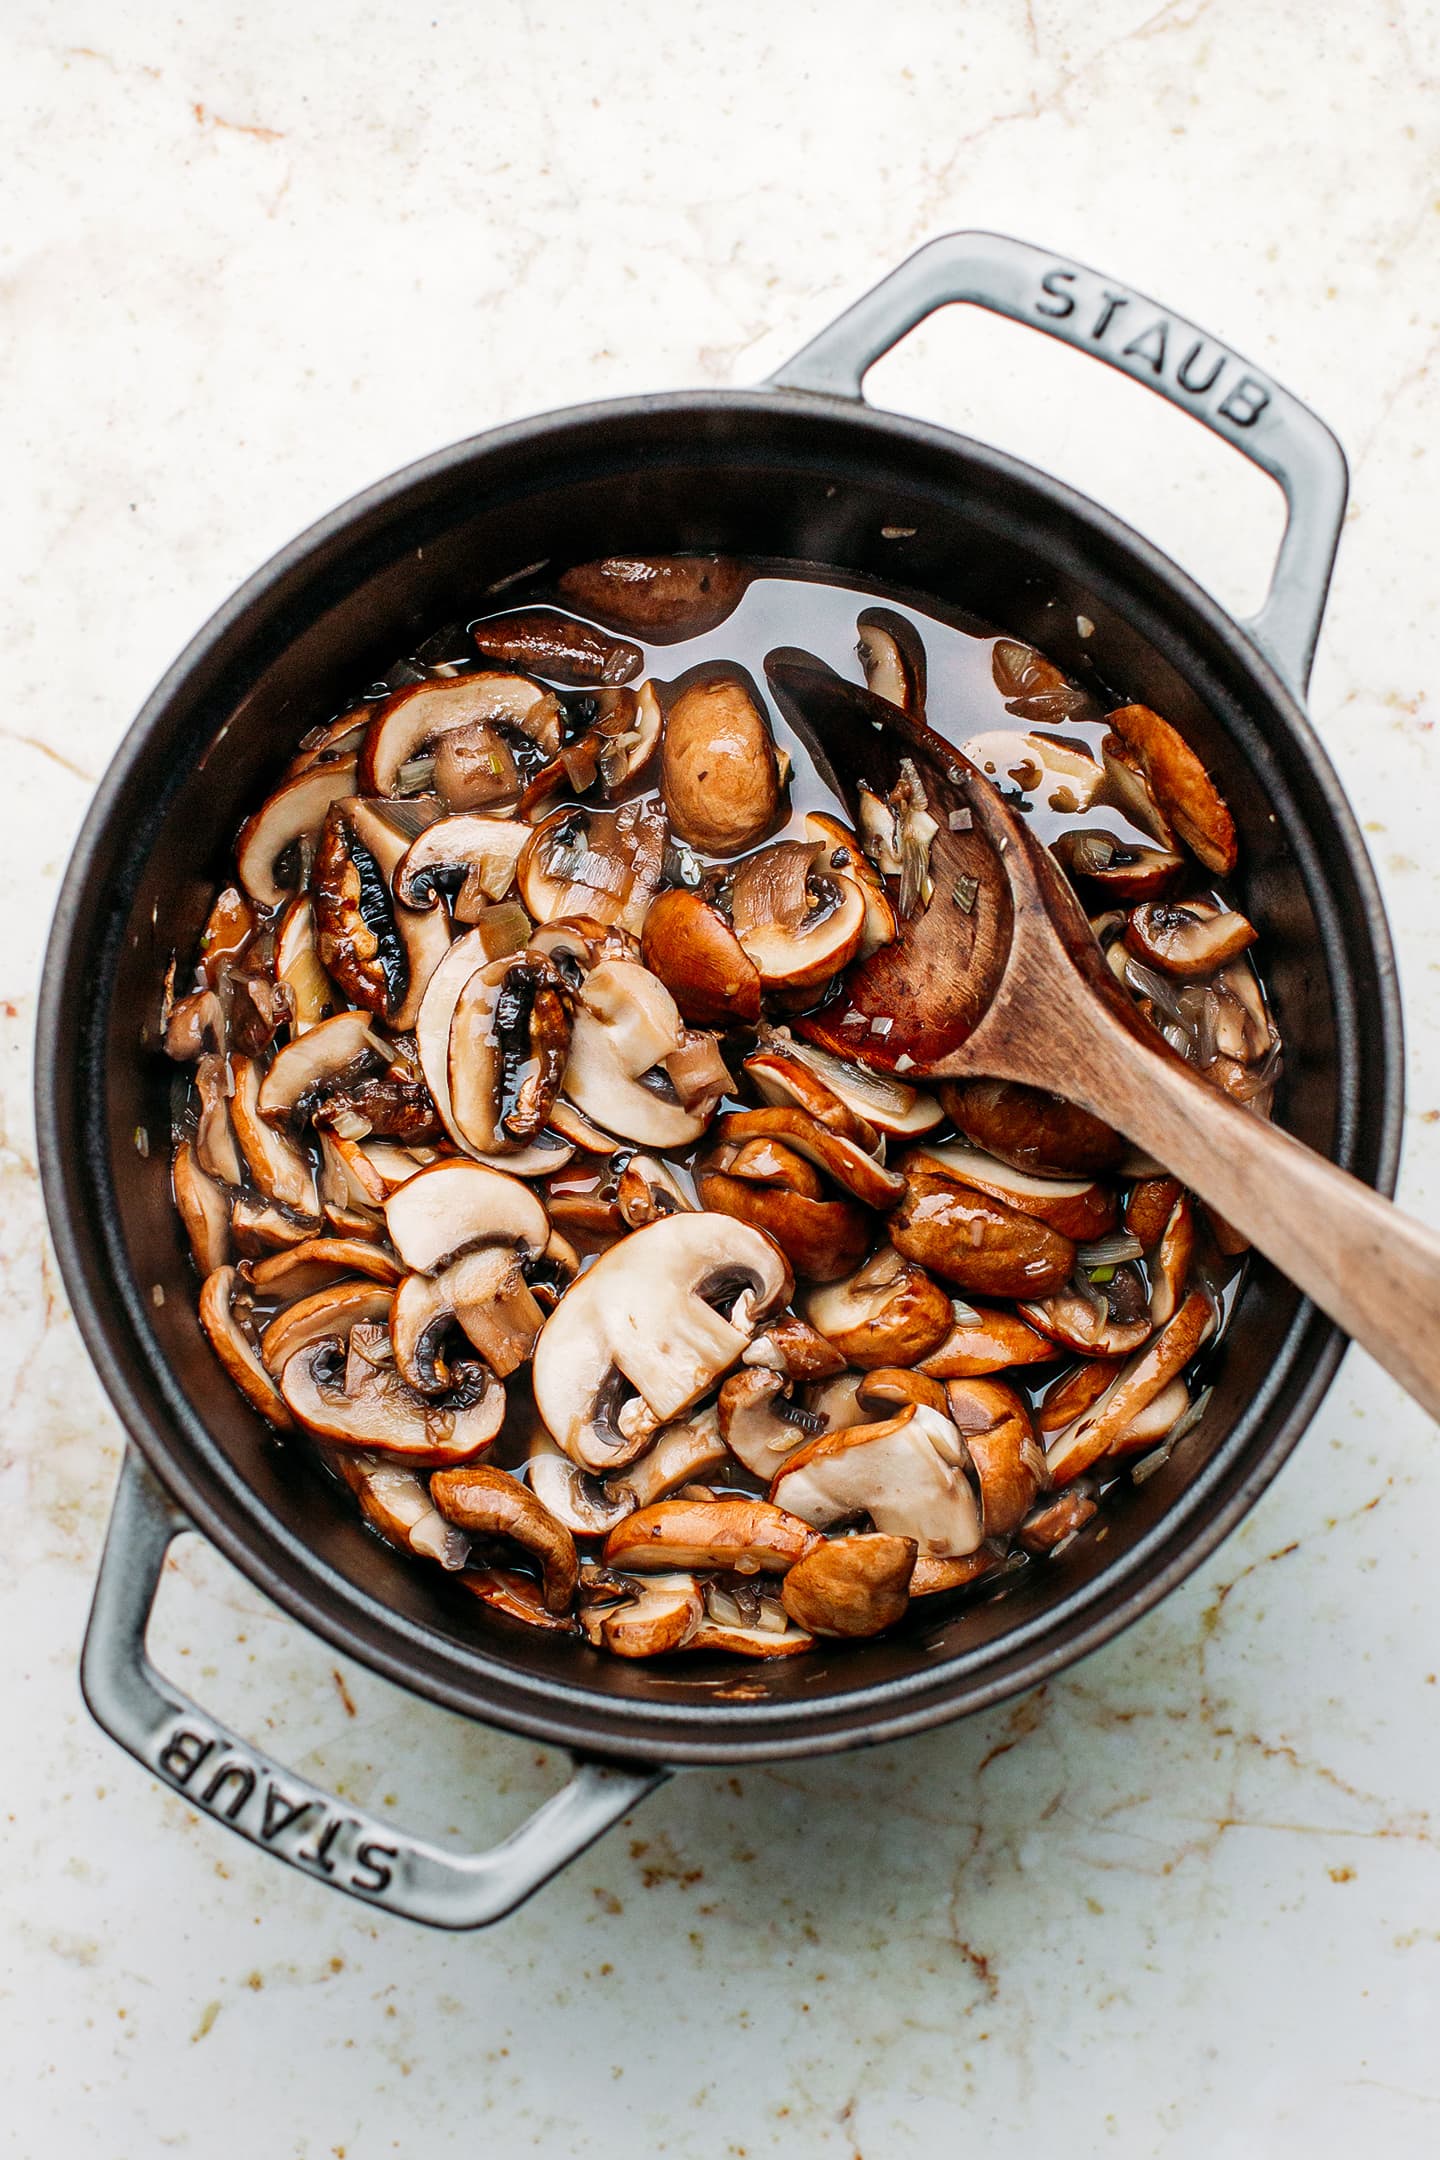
(1109, 1251)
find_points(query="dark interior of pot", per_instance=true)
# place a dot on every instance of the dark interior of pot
(756, 475)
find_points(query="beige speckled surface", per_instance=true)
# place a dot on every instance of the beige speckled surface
(1185, 1901)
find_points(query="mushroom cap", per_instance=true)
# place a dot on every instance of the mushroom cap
(1030, 1128)
(1170, 1262)
(1008, 1462)
(1149, 1207)
(751, 1424)
(235, 1350)
(626, 1023)
(396, 1503)
(297, 807)
(604, 864)
(836, 1153)
(1190, 937)
(662, 598)
(1079, 1208)
(1089, 1329)
(384, 1415)
(323, 1314)
(510, 1036)
(485, 1295)
(587, 1505)
(1073, 1393)
(844, 857)
(281, 1169)
(822, 1239)
(1182, 787)
(1153, 1422)
(323, 1053)
(907, 1473)
(789, 1345)
(748, 1535)
(718, 768)
(852, 1586)
(416, 716)
(485, 1502)
(1093, 1434)
(547, 1152)
(557, 646)
(892, 658)
(517, 1597)
(662, 1616)
(486, 848)
(991, 1341)
(977, 1243)
(701, 962)
(889, 1312)
(313, 1262)
(678, 1454)
(1058, 1519)
(797, 921)
(1122, 869)
(888, 1105)
(453, 1206)
(641, 1314)
(786, 1082)
(204, 1206)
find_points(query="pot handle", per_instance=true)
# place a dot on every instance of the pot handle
(1156, 347)
(213, 1769)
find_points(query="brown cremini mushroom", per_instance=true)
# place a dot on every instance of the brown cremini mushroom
(1137, 1383)
(798, 921)
(852, 1586)
(888, 1312)
(1189, 937)
(1149, 1206)
(484, 1502)
(396, 1503)
(204, 1204)
(486, 849)
(907, 1473)
(235, 1350)
(548, 643)
(765, 1184)
(1079, 1208)
(840, 1157)
(420, 717)
(380, 954)
(718, 769)
(510, 1037)
(759, 1424)
(644, 1617)
(1057, 1520)
(892, 658)
(887, 1105)
(486, 1296)
(701, 962)
(1122, 869)
(1182, 787)
(286, 822)
(742, 1533)
(987, 1339)
(1031, 1129)
(661, 598)
(326, 1313)
(279, 1167)
(1008, 1462)
(977, 1243)
(602, 864)
(361, 1401)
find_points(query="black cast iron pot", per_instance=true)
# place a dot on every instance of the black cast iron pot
(801, 469)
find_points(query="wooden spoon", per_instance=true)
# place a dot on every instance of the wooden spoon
(1000, 976)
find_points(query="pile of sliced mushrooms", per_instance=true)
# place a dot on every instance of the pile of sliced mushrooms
(517, 1189)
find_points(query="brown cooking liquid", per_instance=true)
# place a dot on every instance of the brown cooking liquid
(800, 606)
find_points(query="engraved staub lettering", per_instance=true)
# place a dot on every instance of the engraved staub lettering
(1150, 345)
(320, 1856)
(183, 1754)
(1244, 402)
(1188, 371)
(245, 1785)
(1110, 306)
(281, 1812)
(1053, 284)
(372, 1856)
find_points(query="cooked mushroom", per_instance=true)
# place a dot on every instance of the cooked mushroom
(454, 1207)
(1009, 1464)
(1056, 1521)
(1126, 869)
(1148, 1208)
(229, 927)
(510, 1037)
(297, 966)
(1106, 1321)
(604, 864)
(259, 1226)
(769, 1635)
(397, 1503)
(679, 1453)
(486, 849)
(1079, 1208)
(216, 1149)
(791, 1346)
(204, 1205)
(662, 598)
(194, 1024)
(647, 1189)
(1136, 1385)
(371, 1407)
(851, 1586)
(934, 1574)
(281, 1170)
(1063, 775)
(626, 1026)
(315, 1060)
(742, 1533)
(292, 815)
(1170, 1264)
(877, 1099)
(1153, 1423)
(380, 954)
(1191, 937)
(840, 1157)
(331, 740)
(798, 921)
(1032, 686)
(786, 1082)
(718, 769)
(986, 1339)
(844, 856)
(327, 1313)
(1182, 787)
(315, 1262)
(645, 1313)
(892, 658)
(423, 713)
(518, 1597)
(1031, 1129)
(907, 1473)
(758, 1422)
(701, 962)
(483, 1293)
(557, 646)
(890, 1312)
(1072, 1394)
(645, 1618)
(234, 1348)
(490, 1503)
(567, 1124)
(588, 1506)
(978, 1244)
(764, 1183)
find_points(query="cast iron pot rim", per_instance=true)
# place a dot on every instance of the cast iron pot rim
(319, 1597)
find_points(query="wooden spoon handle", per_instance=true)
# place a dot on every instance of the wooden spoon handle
(1374, 1270)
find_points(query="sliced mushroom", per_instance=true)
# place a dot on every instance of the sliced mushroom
(194, 1024)
(701, 962)
(1079, 1208)
(298, 969)
(316, 1262)
(1056, 1521)
(1008, 1462)
(759, 1424)
(235, 1350)
(647, 1189)
(645, 1314)
(484, 1502)
(1032, 686)
(383, 1106)
(483, 1293)
(423, 713)
(1031, 1129)
(851, 1586)
(987, 1339)
(1065, 776)
(643, 1619)
(453, 1207)
(216, 1148)
(1192, 937)
(1086, 1321)
(763, 1183)
(604, 864)
(1126, 869)
(744, 1534)
(761, 1640)
(486, 849)
(372, 1407)
(333, 739)
(791, 1346)
(718, 769)
(845, 857)
(1182, 787)
(548, 643)
(380, 954)
(626, 1025)
(1170, 1264)
(324, 1314)
(314, 1061)
(840, 1157)
(1093, 1434)
(879, 1393)
(396, 1502)
(510, 1038)
(567, 1123)
(477, 768)
(1148, 1208)
(229, 927)
(698, 1073)
(892, 658)
(889, 1312)
(662, 598)
(977, 1243)
(1154, 1423)
(798, 921)
(1073, 1393)
(786, 1082)
(689, 1449)
(259, 1227)
(517, 1597)
(907, 1473)
(934, 1574)
(586, 1505)
(888, 1105)
(281, 1169)
(204, 1205)
(293, 814)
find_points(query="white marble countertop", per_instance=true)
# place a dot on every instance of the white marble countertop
(1185, 1900)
